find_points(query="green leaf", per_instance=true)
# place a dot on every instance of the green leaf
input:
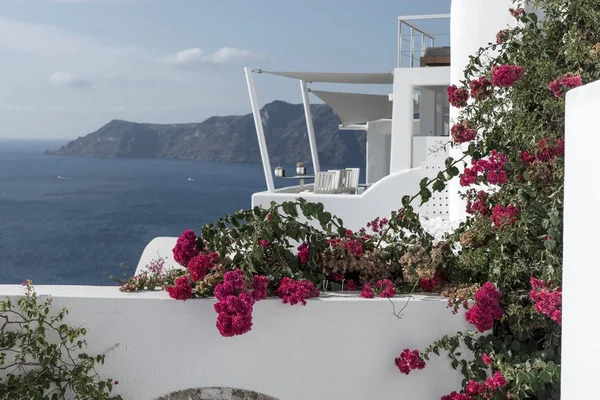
(439, 186)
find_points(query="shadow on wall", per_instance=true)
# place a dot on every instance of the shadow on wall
(215, 393)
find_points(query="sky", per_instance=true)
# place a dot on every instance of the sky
(70, 66)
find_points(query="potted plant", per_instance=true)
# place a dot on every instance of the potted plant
(300, 170)
(279, 172)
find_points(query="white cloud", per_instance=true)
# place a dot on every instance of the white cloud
(127, 82)
(68, 79)
(197, 56)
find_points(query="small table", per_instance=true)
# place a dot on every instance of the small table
(301, 178)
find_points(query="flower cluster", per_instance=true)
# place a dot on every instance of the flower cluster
(303, 253)
(458, 97)
(350, 243)
(491, 168)
(182, 290)
(384, 288)
(236, 302)
(377, 224)
(478, 204)
(487, 308)
(545, 151)
(506, 75)
(481, 88)
(463, 132)
(185, 248)
(563, 83)
(502, 217)
(199, 265)
(296, 291)
(350, 285)
(409, 361)
(486, 389)
(487, 360)
(516, 13)
(547, 302)
(264, 243)
(501, 36)
(428, 284)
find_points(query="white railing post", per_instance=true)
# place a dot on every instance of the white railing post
(310, 128)
(412, 47)
(260, 133)
(399, 43)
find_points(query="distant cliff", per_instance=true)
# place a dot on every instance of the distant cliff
(229, 138)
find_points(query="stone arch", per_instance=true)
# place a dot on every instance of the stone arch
(215, 393)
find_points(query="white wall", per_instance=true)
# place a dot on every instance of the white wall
(581, 321)
(338, 347)
(405, 80)
(473, 24)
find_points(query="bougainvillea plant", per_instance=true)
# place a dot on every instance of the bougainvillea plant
(503, 264)
(41, 357)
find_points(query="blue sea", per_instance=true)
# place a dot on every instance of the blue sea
(71, 220)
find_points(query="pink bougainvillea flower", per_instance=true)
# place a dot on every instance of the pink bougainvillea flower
(502, 217)
(457, 97)
(506, 75)
(294, 291)
(409, 361)
(481, 88)
(487, 360)
(516, 13)
(182, 290)
(487, 308)
(386, 288)
(185, 248)
(303, 253)
(563, 83)
(367, 292)
(547, 302)
(463, 132)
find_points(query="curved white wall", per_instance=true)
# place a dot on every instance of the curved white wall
(337, 347)
(473, 24)
(379, 200)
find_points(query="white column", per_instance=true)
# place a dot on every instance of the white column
(309, 127)
(260, 133)
(402, 123)
(473, 24)
(378, 150)
(581, 321)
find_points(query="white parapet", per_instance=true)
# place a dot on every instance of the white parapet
(336, 347)
(581, 322)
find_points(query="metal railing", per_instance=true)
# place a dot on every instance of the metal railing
(416, 33)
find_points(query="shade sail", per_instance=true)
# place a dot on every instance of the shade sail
(337, 77)
(356, 108)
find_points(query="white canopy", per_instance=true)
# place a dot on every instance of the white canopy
(337, 77)
(355, 108)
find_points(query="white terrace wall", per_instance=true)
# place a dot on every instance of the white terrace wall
(337, 347)
(581, 273)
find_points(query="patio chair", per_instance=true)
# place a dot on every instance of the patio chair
(327, 182)
(352, 176)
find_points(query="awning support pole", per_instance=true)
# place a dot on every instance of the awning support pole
(260, 133)
(310, 128)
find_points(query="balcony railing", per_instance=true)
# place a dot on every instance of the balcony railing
(412, 40)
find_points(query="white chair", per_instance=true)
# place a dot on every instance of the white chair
(352, 176)
(327, 182)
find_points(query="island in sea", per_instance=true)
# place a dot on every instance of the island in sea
(227, 138)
